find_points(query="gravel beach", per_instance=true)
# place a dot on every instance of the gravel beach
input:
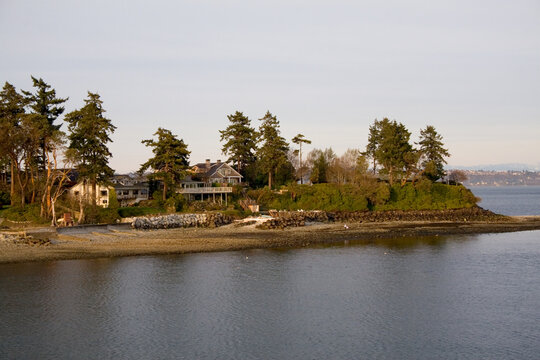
(87, 243)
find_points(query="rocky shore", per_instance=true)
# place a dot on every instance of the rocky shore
(172, 221)
(283, 219)
(283, 230)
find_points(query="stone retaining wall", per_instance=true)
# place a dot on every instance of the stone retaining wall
(283, 219)
(181, 220)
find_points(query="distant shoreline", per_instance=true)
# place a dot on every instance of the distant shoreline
(503, 185)
(118, 243)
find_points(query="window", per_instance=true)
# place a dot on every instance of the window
(135, 192)
(103, 192)
(76, 193)
(104, 202)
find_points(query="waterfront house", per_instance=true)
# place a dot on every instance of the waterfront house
(209, 181)
(130, 189)
(83, 190)
(216, 173)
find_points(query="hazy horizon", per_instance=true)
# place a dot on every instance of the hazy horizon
(325, 70)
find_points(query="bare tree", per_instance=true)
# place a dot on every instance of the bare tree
(457, 176)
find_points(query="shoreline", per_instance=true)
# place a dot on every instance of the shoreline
(120, 243)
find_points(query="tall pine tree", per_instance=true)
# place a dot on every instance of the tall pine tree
(240, 141)
(393, 150)
(47, 108)
(89, 135)
(433, 153)
(170, 161)
(273, 150)
(299, 140)
(11, 137)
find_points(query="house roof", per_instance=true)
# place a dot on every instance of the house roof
(213, 168)
(135, 186)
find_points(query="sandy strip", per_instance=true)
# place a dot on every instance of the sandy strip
(178, 241)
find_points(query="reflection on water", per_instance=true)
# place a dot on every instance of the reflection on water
(431, 297)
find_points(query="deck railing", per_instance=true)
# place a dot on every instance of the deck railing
(206, 190)
(126, 197)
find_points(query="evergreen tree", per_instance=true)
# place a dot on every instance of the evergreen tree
(240, 142)
(89, 135)
(433, 153)
(170, 160)
(393, 149)
(320, 161)
(273, 151)
(11, 137)
(374, 140)
(45, 104)
(299, 140)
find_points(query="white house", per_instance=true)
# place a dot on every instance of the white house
(85, 191)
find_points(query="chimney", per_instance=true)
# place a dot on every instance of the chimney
(208, 163)
(219, 161)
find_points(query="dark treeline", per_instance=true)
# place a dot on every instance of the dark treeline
(39, 155)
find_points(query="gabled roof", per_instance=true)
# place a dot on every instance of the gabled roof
(208, 172)
(135, 186)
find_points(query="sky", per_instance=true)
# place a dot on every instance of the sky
(326, 69)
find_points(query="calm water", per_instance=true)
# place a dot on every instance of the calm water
(473, 297)
(510, 200)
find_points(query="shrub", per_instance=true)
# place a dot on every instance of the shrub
(4, 198)
(175, 203)
(138, 211)
(113, 200)
(423, 195)
(199, 206)
(30, 213)
(99, 215)
(329, 197)
(426, 195)
(382, 194)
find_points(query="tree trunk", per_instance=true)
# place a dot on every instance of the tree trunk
(43, 211)
(82, 197)
(22, 188)
(53, 221)
(94, 192)
(270, 179)
(12, 189)
(164, 191)
(33, 182)
(301, 170)
(49, 184)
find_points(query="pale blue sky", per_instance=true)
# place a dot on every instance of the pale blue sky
(326, 69)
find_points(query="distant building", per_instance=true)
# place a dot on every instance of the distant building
(130, 189)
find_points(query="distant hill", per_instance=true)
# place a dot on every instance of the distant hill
(499, 167)
(501, 178)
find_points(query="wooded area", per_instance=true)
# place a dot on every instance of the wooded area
(40, 157)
